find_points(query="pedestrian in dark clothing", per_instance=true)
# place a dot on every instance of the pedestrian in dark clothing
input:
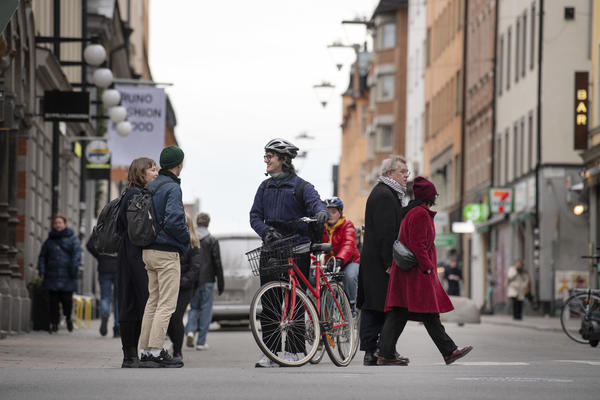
(108, 268)
(275, 213)
(190, 272)
(211, 269)
(453, 276)
(417, 294)
(58, 266)
(382, 223)
(132, 282)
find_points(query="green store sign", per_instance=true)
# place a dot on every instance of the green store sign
(476, 212)
(445, 240)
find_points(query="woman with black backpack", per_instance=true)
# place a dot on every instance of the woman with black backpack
(58, 266)
(132, 280)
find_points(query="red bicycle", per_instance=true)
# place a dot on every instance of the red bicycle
(283, 319)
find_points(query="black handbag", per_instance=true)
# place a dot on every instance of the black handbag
(403, 257)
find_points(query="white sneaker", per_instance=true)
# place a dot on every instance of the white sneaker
(201, 347)
(266, 362)
(290, 357)
(190, 339)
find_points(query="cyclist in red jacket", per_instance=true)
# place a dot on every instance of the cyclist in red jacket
(340, 233)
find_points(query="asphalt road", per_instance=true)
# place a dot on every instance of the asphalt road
(507, 362)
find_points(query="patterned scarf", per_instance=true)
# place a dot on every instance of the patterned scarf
(400, 190)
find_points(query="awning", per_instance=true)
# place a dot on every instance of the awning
(482, 227)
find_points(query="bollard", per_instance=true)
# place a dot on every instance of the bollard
(78, 311)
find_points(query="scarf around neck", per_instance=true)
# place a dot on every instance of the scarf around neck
(400, 190)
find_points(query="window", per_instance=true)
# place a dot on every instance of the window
(524, 58)
(500, 61)
(515, 154)
(532, 37)
(385, 138)
(388, 36)
(458, 96)
(517, 50)
(428, 48)
(508, 43)
(505, 161)
(530, 150)
(385, 87)
(522, 167)
(427, 117)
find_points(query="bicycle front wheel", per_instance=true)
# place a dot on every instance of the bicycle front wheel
(285, 327)
(576, 309)
(339, 338)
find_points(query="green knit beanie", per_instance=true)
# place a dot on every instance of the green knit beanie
(170, 157)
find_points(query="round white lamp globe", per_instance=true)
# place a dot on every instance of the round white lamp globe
(117, 114)
(103, 77)
(111, 97)
(124, 128)
(94, 54)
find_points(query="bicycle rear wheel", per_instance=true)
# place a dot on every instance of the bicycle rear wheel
(276, 333)
(340, 337)
(576, 309)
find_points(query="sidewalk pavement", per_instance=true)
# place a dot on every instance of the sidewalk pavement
(85, 348)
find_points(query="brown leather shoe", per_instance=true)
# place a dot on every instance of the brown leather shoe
(397, 360)
(456, 354)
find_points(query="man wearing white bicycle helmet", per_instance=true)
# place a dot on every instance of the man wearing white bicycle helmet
(279, 203)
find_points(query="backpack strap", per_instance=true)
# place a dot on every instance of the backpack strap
(157, 187)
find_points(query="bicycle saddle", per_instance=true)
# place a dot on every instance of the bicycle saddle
(320, 247)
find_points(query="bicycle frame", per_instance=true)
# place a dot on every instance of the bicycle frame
(293, 273)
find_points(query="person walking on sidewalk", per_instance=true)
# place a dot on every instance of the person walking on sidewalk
(200, 314)
(162, 259)
(417, 294)
(382, 222)
(108, 267)
(190, 271)
(58, 266)
(517, 287)
(132, 282)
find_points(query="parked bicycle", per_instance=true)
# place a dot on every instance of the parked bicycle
(580, 316)
(282, 316)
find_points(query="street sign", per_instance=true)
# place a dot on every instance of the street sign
(501, 200)
(97, 156)
(445, 240)
(66, 106)
(476, 212)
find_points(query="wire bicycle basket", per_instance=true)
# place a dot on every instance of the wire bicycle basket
(272, 258)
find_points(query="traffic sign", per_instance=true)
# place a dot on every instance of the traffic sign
(97, 153)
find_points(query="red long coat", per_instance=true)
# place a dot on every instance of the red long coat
(416, 290)
(343, 242)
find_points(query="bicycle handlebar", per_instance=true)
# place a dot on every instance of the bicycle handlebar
(307, 219)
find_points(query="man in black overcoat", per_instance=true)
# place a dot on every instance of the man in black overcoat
(382, 223)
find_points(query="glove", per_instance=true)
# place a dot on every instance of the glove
(220, 290)
(322, 216)
(272, 235)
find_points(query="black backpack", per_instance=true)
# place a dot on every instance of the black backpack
(315, 230)
(105, 238)
(142, 226)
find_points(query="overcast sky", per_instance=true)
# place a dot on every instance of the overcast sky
(243, 73)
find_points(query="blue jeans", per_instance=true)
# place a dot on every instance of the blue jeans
(200, 314)
(351, 280)
(108, 290)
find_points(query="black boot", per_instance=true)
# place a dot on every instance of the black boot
(116, 332)
(103, 324)
(69, 324)
(370, 358)
(130, 358)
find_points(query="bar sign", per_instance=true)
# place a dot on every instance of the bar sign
(581, 110)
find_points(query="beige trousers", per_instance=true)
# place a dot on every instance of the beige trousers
(163, 288)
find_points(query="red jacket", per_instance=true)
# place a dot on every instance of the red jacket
(416, 290)
(343, 241)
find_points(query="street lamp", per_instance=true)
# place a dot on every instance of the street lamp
(323, 90)
(123, 128)
(103, 77)
(339, 53)
(117, 114)
(94, 54)
(111, 97)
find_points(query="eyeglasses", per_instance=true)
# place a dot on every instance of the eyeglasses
(267, 157)
(404, 172)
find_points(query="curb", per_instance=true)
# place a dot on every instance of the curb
(521, 325)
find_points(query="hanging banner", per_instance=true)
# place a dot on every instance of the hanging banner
(146, 111)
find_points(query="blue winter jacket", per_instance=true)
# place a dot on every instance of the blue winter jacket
(59, 260)
(275, 205)
(169, 212)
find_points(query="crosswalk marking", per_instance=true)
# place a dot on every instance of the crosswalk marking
(588, 362)
(488, 363)
(513, 379)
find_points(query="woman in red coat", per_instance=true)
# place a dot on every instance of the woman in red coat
(417, 294)
(340, 233)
